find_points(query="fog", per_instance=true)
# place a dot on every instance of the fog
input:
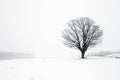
(35, 26)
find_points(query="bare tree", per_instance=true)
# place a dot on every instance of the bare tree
(82, 33)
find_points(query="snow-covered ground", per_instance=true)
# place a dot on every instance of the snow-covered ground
(92, 68)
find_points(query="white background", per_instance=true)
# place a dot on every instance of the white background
(35, 26)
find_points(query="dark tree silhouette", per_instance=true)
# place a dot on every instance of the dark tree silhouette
(82, 33)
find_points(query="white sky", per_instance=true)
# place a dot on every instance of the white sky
(34, 26)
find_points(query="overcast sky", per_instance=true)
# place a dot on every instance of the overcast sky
(34, 26)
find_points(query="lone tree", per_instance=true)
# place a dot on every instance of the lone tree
(82, 33)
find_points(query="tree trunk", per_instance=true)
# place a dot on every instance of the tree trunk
(82, 54)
